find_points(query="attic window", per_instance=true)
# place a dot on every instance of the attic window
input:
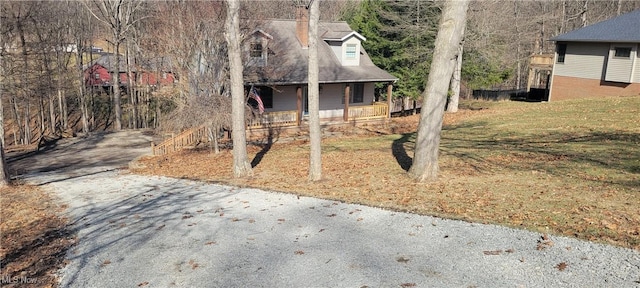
(256, 50)
(97, 76)
(351, 51)
(623, 52)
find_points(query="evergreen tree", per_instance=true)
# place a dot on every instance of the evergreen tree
(400, 36)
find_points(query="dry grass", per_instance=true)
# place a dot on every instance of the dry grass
(33, 238)
(570, 168)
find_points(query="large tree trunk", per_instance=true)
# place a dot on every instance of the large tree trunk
(315, 135)
(115, 80)
(241, 164)
(4, 175)
(452, 23)
(455, 83)
(82, 93)
(132, 91)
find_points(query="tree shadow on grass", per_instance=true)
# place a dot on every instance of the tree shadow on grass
(265, 147)
(554, 153)
(400, 152)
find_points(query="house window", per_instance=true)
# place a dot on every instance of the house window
(351, 51)
(562, 51)
(623, 52)
(256, 50)
(356, 93)
(164, 75)
(97, 76)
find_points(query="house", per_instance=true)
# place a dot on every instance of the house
(598, 60)
(277, 66)
(148, 73)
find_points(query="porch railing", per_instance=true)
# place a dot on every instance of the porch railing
(187, 138)
(193, 136)
(377, 110)
(280, 119)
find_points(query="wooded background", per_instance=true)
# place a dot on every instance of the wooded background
(41, 78)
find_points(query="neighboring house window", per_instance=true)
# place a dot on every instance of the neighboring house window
(623, 52)
(351, 51)
(562, 51)
(356, 93)
(256, 50)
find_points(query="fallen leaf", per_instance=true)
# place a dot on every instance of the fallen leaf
(510, 250)
(210, 243)
(561, 266)
(160, 227)
(494, 252)
(298, 252)
(408, 284)
(402, 259)
(145, 283)
(193, 264)
(332, 215)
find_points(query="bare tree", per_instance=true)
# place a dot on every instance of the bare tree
(315, 135)
(4, 176)
(241, 164)
(450, 32)
(119, 16)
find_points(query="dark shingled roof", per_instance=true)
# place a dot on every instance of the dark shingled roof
(288, 60)
(624, 28)
(108, 61)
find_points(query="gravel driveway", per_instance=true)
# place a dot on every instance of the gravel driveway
(139, 231)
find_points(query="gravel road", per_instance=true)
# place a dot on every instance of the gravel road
(140, 231)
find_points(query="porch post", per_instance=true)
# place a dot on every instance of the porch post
(299, 104)
(345, 114)
(389, 95)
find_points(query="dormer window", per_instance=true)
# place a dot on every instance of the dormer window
(351, 51)
(256, 50)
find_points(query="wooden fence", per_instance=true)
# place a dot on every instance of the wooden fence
(187, 138)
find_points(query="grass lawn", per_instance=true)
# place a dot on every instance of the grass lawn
(568, 167)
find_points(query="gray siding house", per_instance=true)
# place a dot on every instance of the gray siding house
(599, 60)
(277, 65)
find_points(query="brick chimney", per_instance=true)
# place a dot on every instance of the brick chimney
(302, 25)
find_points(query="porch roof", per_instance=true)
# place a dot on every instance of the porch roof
(287, 59)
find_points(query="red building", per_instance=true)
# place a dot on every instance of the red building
(150, 73)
